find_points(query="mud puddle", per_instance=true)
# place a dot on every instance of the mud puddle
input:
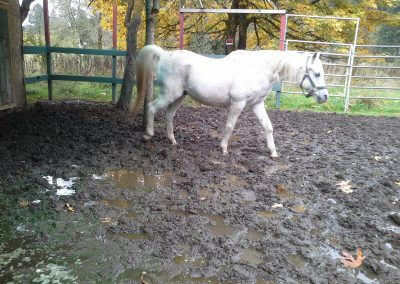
(137, 180)
(275, 167)
(251, 256)
(217, 226)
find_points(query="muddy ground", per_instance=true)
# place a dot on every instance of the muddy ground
(156, 213)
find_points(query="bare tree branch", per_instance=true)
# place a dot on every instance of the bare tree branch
(25, 7)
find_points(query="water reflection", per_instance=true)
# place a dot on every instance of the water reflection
(63, 186)
(251, 256)
(136, 180)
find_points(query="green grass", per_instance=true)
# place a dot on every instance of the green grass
(70, 90)
(336, 104)
(102, 93)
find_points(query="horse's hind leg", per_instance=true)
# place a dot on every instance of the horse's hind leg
(234, 112)
(262, 116)
(171, 110)
(159, 103)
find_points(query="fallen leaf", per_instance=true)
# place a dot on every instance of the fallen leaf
(345, 186)
(348, 260)
(23, 203)
(280, 188)
(105, 220)
(70, 207)
(329, 131)
(277, 205)
(397, 183)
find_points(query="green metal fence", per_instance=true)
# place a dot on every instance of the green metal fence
(49, 77)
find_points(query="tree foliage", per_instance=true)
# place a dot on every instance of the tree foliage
(261, 30)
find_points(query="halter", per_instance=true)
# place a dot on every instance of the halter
(315, 87)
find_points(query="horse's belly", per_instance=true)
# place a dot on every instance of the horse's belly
(211, 97)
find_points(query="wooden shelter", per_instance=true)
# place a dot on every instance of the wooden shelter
(12, 90)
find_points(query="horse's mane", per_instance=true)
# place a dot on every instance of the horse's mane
(289, 64)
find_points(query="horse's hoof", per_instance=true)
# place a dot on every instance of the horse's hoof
(274, 156)
(225, 153)
(146, 137)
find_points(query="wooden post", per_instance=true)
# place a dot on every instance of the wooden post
(47, 40)
(282, 32)
(114, 58)
(282, 37)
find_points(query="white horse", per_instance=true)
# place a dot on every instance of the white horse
(239, 79)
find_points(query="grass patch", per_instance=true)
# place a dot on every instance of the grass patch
(336, 104)
(70, 90)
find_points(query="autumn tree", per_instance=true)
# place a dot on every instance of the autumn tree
(208, 32)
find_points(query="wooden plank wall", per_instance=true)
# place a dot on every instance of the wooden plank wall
(5, 62)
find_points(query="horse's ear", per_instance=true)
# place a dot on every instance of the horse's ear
(315, 56)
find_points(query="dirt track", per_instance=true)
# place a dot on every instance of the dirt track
(186, 214)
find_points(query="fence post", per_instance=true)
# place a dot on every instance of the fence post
(48, 53)
(348, 85)
(114, 58)
(282, 38)
(278, 97)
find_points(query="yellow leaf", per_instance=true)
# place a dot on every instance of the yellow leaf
(348, 260)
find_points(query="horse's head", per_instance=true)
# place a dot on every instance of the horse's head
(313, 82)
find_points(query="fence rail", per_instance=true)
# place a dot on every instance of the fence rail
(49, 77)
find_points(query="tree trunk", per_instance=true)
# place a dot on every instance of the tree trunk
(125, 99)
(150, 21)
(243, 25)
(231, 28)
(99, 33)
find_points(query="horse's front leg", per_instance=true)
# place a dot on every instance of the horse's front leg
(234, 112)
(171, 110)
(259, 110)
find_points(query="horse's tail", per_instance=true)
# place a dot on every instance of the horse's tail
(146, 61)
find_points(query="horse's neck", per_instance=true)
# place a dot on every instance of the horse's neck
(290, 67)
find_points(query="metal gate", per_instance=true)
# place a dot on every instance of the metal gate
(6, 98)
